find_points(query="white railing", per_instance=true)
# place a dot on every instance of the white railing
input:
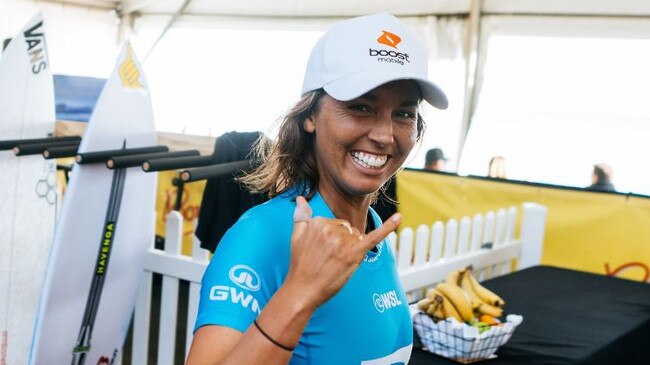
(487, 242)
(173, 266)
(424, 257)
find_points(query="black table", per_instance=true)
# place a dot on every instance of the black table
(570, 317)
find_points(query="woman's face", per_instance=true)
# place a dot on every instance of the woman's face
(359, 144)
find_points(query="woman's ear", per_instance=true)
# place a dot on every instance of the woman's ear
(308, 125)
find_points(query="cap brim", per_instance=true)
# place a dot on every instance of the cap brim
(354, 85)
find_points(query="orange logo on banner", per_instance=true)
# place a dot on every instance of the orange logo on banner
(642, 269)
(389, 39)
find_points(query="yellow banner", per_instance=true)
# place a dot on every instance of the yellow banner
(596, 232)
(190, 205)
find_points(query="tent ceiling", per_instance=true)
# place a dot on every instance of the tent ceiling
(337, 8)
(298, 8)
(102, 4)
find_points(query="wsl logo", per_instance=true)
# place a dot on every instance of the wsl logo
(386, 301)
(35, 39)
(245, 277)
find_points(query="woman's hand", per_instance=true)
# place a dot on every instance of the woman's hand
(326, 252)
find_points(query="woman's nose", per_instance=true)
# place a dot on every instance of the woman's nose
(382, 130)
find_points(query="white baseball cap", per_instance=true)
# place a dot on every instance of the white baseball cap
(357, 55)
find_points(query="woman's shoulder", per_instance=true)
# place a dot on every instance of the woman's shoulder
(270, 220)
(271, 213)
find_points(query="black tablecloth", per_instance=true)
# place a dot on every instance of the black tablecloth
(570, 317)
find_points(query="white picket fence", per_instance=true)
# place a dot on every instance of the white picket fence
(424, 257)
(486, 241)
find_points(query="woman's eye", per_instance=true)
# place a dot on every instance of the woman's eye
(360, 108)
(406, 115)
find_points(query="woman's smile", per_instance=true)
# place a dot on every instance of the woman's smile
(360, 143)
(369, 160)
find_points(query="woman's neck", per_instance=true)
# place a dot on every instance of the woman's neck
(353, 209)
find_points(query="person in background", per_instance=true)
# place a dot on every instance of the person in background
(497, 167)
(308, 277)
(435, 160)
(601, 178)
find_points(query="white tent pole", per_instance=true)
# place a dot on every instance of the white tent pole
(171, 22)
(471, 55)
(125, 28)
(131, 6)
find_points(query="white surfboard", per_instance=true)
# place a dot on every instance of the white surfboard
(28, 194)
(103, 231)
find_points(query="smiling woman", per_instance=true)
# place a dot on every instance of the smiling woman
(314, 282)
(359, 144)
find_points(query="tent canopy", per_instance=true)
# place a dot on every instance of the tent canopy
(528, 79)
(339, 8)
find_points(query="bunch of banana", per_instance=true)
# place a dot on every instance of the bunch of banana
(446, 301)
(487, 301)
(462, 297)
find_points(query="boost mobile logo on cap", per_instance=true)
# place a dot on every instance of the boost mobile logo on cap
(382, 55)
(389, 39)
(245, 277)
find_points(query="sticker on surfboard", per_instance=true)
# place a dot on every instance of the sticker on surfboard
(102, 234)
(28, 194)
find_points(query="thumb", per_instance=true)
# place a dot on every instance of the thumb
(302, 214)
(376, 236)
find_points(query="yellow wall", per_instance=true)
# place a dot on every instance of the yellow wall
(596, 232)
(190, 205)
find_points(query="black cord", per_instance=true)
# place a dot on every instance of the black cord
(290, 349)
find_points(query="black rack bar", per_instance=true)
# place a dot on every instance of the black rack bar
(180, 187)
(161, 164)
(38, 148)
(103, 156)
(136, 160)
(208, 172)
(11, 143)
(62, 151)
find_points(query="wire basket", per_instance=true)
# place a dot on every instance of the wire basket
(459, 341)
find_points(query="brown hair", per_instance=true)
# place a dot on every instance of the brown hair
(289, 162)
(603, 172)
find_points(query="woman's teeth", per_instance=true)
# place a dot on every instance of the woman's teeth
(368, 160)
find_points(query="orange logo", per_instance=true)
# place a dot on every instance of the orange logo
(389, 39)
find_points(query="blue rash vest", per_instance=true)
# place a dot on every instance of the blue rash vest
(367, 322)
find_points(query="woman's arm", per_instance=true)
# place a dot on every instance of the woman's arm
(284, 318)
(312, 279)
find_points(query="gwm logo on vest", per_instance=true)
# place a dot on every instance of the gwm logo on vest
(245, 278)
(382, 55)
(386, 301)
